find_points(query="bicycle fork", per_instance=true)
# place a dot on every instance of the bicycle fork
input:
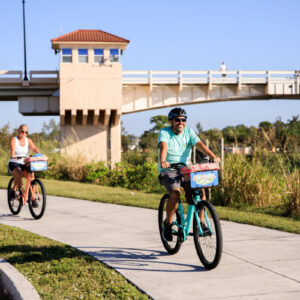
(184, 228)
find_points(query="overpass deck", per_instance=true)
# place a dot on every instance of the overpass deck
(143, 90)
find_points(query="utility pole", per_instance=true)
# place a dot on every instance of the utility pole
(24, 34)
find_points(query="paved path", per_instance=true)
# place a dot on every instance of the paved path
(257, 263)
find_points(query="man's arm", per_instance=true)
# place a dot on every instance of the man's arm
(163, 155)
(200, 146)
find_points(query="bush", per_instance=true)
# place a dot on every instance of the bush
(254, 182)
(293, 199)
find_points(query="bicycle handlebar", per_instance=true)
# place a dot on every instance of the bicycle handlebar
(18, 157)
(177, 166)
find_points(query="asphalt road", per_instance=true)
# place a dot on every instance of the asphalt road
(257, 263)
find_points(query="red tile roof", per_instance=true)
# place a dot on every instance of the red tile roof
(84, 35)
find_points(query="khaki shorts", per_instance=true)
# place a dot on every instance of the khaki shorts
(171, 180)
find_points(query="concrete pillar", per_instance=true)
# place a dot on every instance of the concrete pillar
(87, 141)
(115, 144)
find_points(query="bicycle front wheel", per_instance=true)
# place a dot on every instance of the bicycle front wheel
(209, 245)
(14, 204)
(171, 246)
(37, 199)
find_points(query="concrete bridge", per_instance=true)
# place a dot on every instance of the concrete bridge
(90, 92)
(145, 90)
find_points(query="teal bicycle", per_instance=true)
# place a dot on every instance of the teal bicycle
(207, 230)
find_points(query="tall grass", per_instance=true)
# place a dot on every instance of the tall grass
(254, 182)
(265, 180)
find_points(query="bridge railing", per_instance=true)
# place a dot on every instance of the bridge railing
(16, 77)
(206, 77)
(10, 76)
(44, 76)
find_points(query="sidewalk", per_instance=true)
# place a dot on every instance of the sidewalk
(257, 263)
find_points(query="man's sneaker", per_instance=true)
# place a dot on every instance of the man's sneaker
(168, 232)
(12, 195)
(34, 204)
(205, 229)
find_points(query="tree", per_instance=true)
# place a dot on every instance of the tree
(5, 137)
(281, 134)
(267, 135)
(199, 128)
(242, 132)
(229, 135)
(294, 132)
(148, 140)
(51, 131)
(159, 123)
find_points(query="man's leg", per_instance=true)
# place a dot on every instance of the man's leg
(202, 211)
(172, 205)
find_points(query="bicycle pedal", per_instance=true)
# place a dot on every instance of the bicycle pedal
(206, 233)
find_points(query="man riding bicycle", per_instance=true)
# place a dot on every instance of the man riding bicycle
(175, 145)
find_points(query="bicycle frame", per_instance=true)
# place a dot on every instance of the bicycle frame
(187, 221)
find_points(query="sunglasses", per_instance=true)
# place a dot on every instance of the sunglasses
(180, 120)
(22, 131)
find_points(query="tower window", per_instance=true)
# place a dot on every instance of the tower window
(114, 55)
(98, 56)
(66, 55)
(83, 56)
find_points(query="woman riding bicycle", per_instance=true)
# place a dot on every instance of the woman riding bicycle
(19, 150)
(175, 145)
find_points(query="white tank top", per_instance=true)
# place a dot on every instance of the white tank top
(20, 152)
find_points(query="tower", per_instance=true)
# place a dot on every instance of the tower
(90, 93)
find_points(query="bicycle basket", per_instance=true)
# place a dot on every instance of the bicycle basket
(36, 163)
(201, 175)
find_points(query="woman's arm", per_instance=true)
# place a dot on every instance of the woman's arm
(32, 146)
(12, 145)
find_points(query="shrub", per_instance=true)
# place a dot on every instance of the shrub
(293, 194)
(248, 182)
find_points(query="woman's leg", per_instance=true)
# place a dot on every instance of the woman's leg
(18, 174)
(29, 177)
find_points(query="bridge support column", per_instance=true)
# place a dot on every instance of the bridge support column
(115, 137)
(92, 134)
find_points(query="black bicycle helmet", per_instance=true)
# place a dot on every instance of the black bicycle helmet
(176, 112)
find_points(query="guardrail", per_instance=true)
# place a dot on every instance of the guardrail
(16, 77)
(10, 76)
(207, 77)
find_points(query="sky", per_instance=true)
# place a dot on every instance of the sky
(164, 35)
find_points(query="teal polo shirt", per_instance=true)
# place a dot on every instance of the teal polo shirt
(179, 145)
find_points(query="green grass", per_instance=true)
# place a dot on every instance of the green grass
(97, 193)
(58, 271)
(115, 195)
(53, 267)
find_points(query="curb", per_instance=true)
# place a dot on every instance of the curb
(15, 283)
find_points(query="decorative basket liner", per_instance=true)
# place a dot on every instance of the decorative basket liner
(38, 162)
(204, 179)
(36, 158)
(199, 167)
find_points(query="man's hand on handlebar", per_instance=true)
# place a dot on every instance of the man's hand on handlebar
(164, 164)
(217, 159)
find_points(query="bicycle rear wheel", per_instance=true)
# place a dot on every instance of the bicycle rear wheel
(15, 204)
(37, 199)
(172, 247)
(209, 245)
